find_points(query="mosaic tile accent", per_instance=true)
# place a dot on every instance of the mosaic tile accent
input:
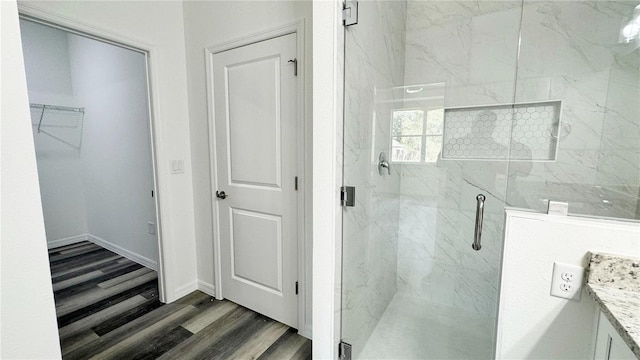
(486, 133)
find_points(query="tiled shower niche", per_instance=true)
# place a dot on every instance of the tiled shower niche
(486, 133)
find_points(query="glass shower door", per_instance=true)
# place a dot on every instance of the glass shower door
(429, 103)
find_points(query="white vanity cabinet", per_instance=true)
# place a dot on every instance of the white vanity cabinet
(609, 344)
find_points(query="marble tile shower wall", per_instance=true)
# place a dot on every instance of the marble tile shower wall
(374, 63)
(570, 51)
(471, 46)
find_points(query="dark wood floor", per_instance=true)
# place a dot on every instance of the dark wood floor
(108, 308)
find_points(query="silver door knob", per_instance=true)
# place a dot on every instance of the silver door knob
(221, 195)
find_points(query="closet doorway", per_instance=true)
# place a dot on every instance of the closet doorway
(91, 119)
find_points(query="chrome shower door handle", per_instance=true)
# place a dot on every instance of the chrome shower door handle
(477, 236)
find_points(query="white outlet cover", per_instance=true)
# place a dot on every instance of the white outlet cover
(566, 281)
(151, 228)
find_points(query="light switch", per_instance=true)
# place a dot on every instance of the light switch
(177, 166)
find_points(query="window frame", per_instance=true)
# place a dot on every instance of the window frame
(423, 136)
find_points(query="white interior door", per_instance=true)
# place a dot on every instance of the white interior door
(255, 134)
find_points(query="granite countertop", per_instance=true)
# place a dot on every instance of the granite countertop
(614, 283)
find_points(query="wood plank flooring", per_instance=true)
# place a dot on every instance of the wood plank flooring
(108, 308)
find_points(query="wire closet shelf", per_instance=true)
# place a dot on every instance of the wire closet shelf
(62, 123)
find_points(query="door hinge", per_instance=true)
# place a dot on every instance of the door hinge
(296, 183)
(348, 196)
(151, 193)
(295, 66)
(344, 351)
(350, 13)
(296, 288)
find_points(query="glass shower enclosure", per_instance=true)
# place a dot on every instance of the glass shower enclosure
(454, 110)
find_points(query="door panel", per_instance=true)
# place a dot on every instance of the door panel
(256, 245)
(255, 142)
(253, 89)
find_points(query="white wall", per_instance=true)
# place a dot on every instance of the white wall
(111, 84)
(28, 327)
(210, 23)
(48, 71)
(531, 323)
(156, 26)
(52, 83)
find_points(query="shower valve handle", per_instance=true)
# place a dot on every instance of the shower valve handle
(383, 164)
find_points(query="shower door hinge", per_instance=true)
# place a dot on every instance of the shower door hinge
(296, 288)
(344, 351)
(295, 183)
(350, 13)
(348, 196)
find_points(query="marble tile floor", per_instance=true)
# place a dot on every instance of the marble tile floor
(108, 308)
(411, 328)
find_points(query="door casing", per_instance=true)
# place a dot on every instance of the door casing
(298, 29)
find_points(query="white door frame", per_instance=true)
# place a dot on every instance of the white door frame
(328, 99)
(53, 20)
(293, 28)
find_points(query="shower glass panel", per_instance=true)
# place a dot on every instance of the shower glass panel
(586, 55)
(429, 109)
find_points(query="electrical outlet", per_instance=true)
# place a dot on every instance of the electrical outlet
(567, 276)
(151, 228)
(566, 281)
(566, 287)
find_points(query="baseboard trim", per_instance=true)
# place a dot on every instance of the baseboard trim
(67, 241)
(306, 331)
(144, 261)
(207, 288)
(186, 289)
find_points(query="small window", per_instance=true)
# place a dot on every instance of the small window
(416, 135)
